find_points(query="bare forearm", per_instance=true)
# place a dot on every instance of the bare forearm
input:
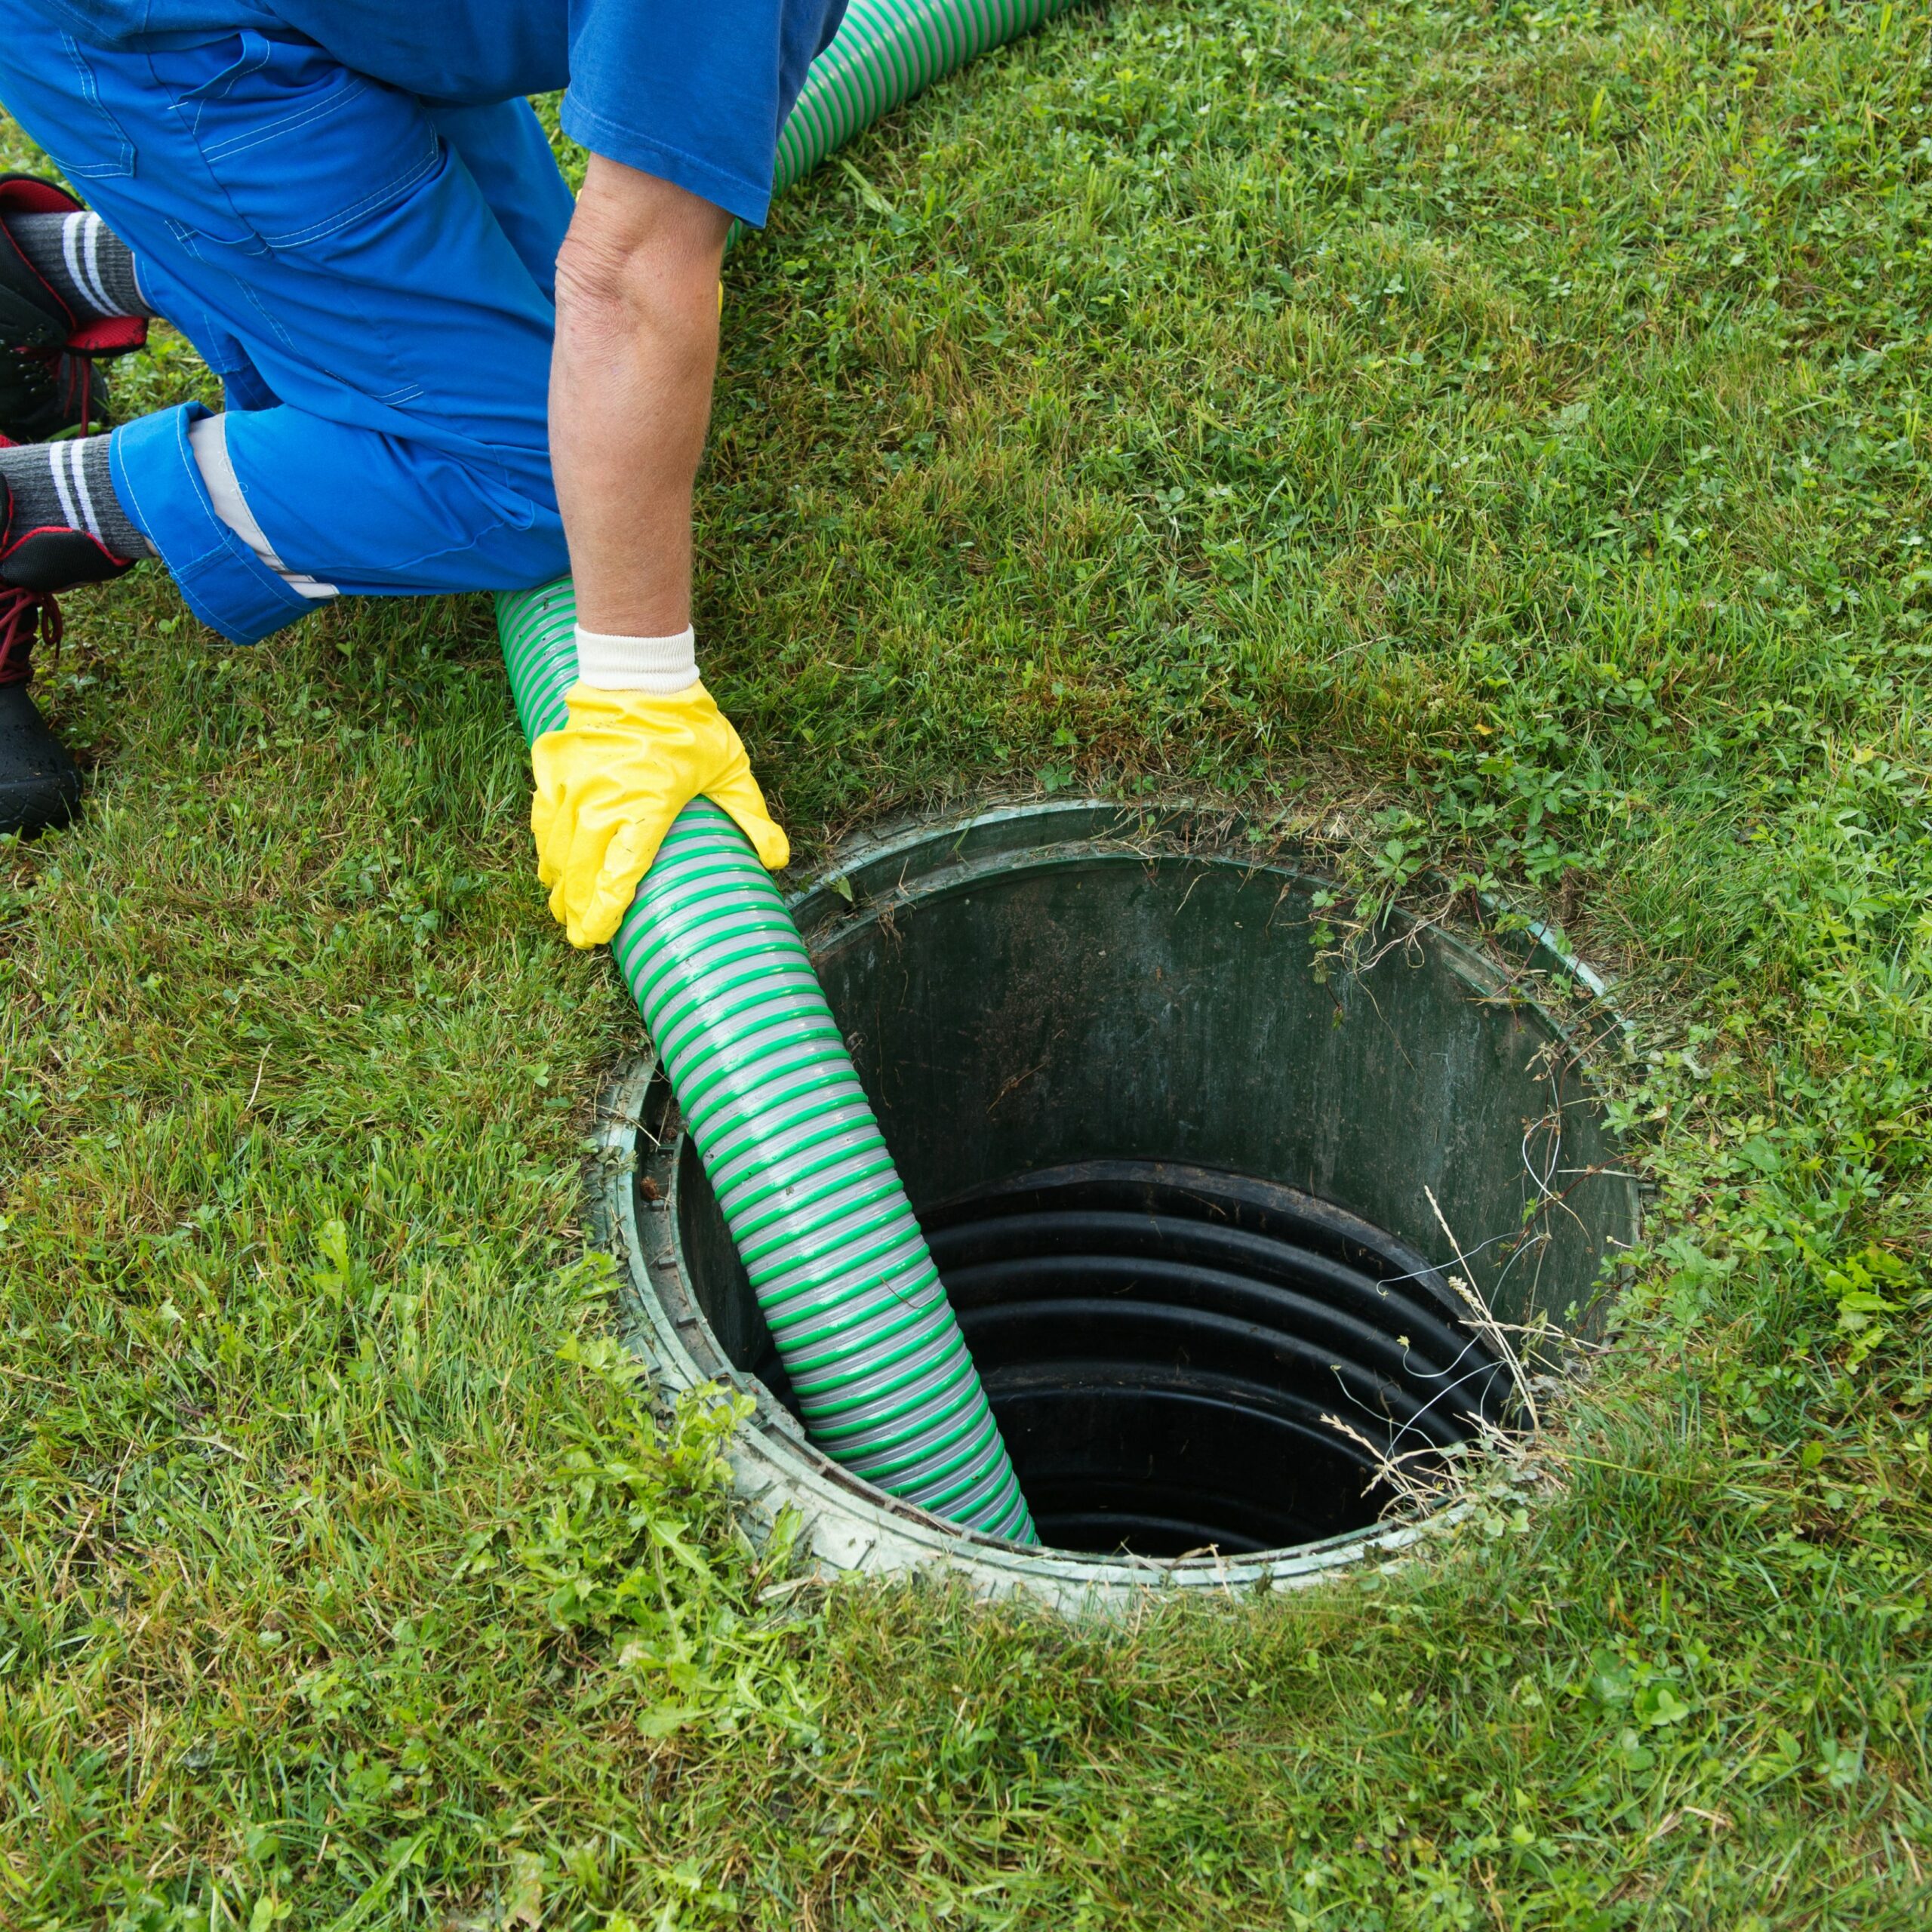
(630, 393)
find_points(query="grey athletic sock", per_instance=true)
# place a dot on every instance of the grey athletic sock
(89, 265)
(68, 485)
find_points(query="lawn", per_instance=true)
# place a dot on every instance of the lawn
(1488, 441)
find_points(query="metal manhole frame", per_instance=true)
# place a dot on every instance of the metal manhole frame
(847, 1527)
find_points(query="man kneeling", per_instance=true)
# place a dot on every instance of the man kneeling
(439, 374)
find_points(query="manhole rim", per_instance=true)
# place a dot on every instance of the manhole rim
(849, 1527)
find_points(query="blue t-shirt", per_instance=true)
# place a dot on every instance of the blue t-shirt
(694, 91)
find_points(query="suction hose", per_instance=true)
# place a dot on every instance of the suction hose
(722, 978)
(808, 1190)
(884, 52)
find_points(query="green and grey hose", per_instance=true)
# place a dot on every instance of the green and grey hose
(789, 1139)
(742, 1028)
(884, 52)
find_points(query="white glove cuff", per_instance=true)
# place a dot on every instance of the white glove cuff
(659, 664)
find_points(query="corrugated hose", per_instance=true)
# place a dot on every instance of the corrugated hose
(740, 1025)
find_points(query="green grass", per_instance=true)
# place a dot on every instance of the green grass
(1489, 440)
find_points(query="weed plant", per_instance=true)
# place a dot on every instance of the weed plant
(1491, 439)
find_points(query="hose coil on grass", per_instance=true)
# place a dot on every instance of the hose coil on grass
(884, 52)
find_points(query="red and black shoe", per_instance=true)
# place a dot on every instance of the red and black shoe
(34, 315)
(49, 383)
(45, 394)
(39, 787)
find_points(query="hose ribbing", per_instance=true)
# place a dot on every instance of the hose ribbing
(884, 52)
(790, 1140)
(722, 978)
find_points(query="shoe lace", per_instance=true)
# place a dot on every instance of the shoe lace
(70, 377)
(25, 614)
(39, 376)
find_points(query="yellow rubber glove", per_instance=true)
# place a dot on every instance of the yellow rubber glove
(609, 784)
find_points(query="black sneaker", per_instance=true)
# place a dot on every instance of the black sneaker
(44, 394)
(48, 381)
(39, 787)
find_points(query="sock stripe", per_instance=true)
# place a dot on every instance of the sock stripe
(92, 258)
(81, 491)
(69, 485)
(70, 250)
(70, 231)
(83, 260)
(68, 515)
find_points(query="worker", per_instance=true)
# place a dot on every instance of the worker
(439, 374)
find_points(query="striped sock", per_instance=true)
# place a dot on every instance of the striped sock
(89, 266)
(68, 485)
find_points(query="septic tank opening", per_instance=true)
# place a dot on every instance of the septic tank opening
(1178, 1178)
(1168, 1349)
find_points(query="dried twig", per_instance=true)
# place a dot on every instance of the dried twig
(1421, 1480)
(1485, 1324)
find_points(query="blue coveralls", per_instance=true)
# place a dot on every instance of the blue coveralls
(359, 239)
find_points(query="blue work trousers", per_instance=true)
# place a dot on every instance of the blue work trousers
(371, 275)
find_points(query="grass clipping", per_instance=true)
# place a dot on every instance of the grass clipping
(1496, 1459)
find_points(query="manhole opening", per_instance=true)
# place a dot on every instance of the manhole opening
(1187, 1190)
